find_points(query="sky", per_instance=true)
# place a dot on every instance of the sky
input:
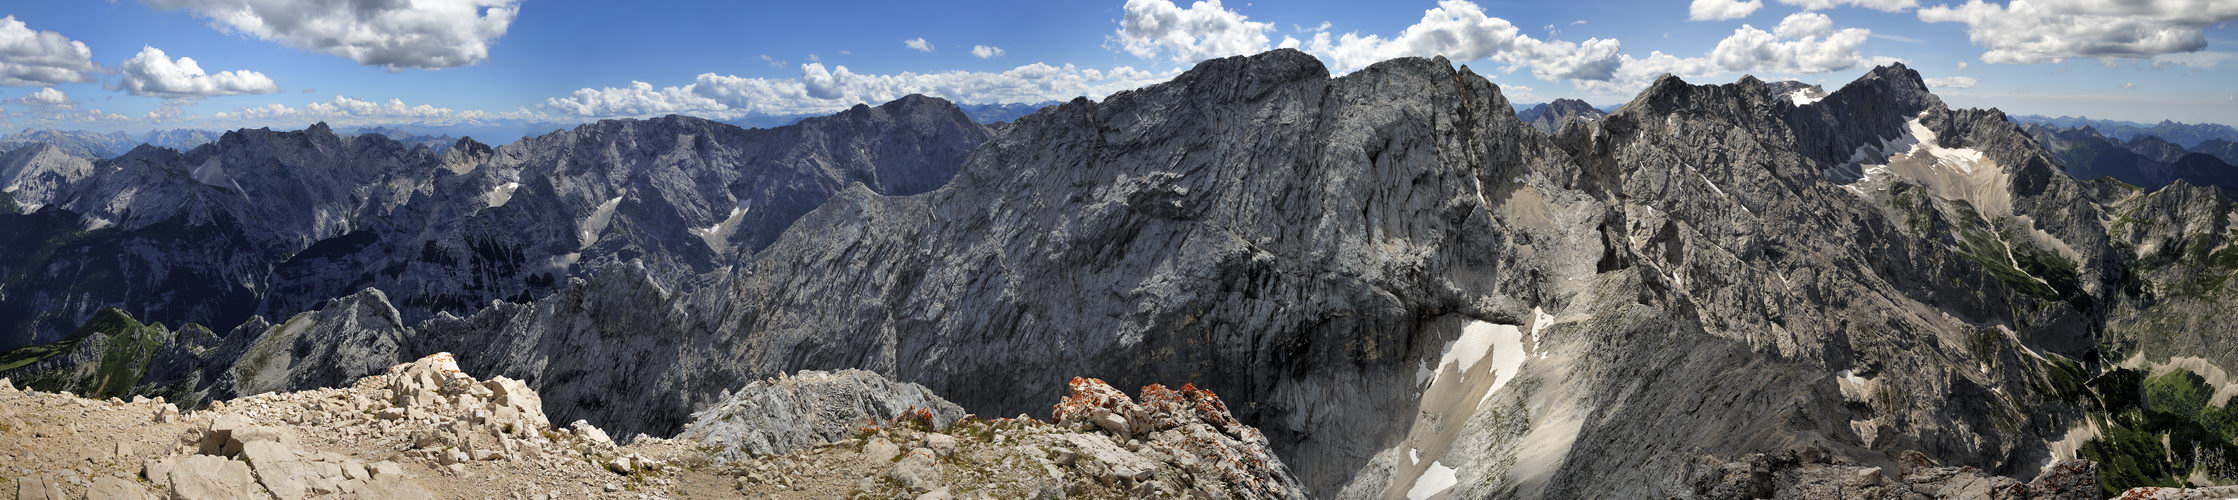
(136, 65)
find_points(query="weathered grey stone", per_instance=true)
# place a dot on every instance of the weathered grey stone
(918, 471)
(212, 477)
(809, 408)
(38, 487)
(116, 488)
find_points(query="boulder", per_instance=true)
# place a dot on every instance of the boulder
(879, 449)
(940, 444)
(214, 477)
(918, 471)
(590, 433)
(39, 487)
(116, 488)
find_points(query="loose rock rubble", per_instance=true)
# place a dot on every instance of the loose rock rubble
(1102, 444)
(806, 409)
(420, 430)
(1815, 473)
(425, 430)
(2158, 493)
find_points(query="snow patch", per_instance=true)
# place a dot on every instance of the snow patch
(1474, 344)
(717, 236)
(596, 223)
(1917, 156)
(1507, 356)
(1803, 96)
(1503, 343)
(497, 197)
(1414, 456)
(1434, 481)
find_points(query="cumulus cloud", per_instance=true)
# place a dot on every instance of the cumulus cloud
(48, 107)
(2031, 31)
(152, 73)
(1721, 10)
(637, 99)
(31, 58)
(47, 97)
(1461, 31)
(919, 44)
(1962, 65)
(823, 84)
(1804, 42)
(1205, 30)
(986, 52)
(824, 89)
(1879, 5)
(1634, 74)
(347, 111)
(392, 34)
(1952, 82)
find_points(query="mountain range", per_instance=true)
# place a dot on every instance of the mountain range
(2187, 135)
(1403, 283)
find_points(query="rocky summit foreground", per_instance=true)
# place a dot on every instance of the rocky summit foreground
(426, 430)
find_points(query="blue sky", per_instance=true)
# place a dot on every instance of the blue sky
(357, 62)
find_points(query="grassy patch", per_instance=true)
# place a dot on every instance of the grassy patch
(126, 348)
(2157, 430)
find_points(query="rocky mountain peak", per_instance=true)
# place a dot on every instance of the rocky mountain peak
(1256, 75)
(914, 110)
(1549, 117)
(1891, 85)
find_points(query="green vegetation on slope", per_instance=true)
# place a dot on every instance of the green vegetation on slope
(126, 346)
(2158, 430)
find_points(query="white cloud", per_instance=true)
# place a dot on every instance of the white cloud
(152, 73)
(1804, 24)
(1460, 30)
(392, 34)
(346, 111)
(2128, 85)
(2031, 31)
(1205, 30)
(986, 52)
(1879, 5)
(1804, 42)
(1633, 75)
(824, 89)
(919, 44)
(1721, 10)
(2200, 59)
(49, 108)
(47, 97)
(1952, 82)
(1962, 65)
(1577, 22)
(822, 84)
(30, 58)
(638, 99)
